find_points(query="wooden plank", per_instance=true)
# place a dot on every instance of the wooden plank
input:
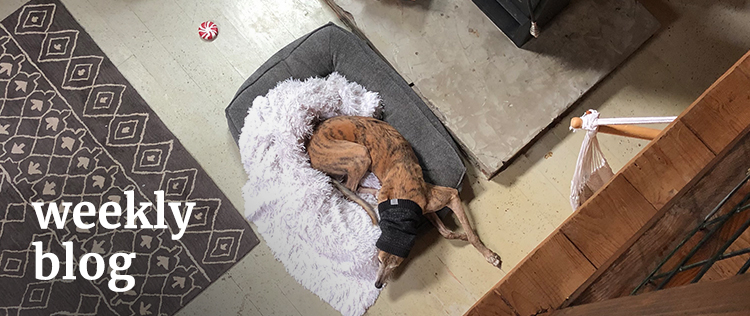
(727, 297)
(604, 224)
(663, 169)
(724, 110)
(491, 304)
(546, 277)
(744, 63)
(623, 272)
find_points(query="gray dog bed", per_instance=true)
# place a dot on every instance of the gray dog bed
(331, 48)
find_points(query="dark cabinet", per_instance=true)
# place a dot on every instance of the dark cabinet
(515, 17)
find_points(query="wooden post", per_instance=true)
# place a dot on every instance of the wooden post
(622, 130)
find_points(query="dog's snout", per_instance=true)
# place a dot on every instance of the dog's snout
(379, 285)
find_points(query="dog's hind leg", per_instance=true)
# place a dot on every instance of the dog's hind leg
(354, 197)
(340, 157)
(447, 233)
(444, 196)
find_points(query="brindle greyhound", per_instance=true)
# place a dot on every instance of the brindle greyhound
(351, 145)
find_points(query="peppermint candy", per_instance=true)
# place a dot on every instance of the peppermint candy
(208, 30)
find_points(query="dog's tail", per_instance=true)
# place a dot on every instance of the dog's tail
(354, 197)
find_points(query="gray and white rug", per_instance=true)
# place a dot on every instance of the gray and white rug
(73, 129)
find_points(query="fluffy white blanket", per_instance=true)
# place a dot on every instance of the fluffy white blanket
(326, 242)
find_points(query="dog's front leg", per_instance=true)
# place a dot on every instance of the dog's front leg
(458, 209)
(440, 197)
(447, 233)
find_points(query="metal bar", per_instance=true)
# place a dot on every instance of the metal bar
(692, 233)
(728, 243)
(710, 232)
(744, 267)
(691, 253)
(742, 209)
(718, 218)
(702, 262)
(669, 256)
(661, 264)
(726, 198)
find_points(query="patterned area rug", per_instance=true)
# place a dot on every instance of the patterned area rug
(73, 129)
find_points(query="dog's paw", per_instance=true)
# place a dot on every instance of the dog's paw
(495, 260)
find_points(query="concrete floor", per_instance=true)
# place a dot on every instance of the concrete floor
(494, 97)
(189, 82)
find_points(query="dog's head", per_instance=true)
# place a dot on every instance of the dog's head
(399, 223)
(388, 263)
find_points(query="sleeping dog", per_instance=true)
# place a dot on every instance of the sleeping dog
(351, 146)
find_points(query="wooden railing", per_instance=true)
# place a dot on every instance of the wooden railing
(606, 247)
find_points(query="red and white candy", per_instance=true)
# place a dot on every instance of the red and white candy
(208, 30)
